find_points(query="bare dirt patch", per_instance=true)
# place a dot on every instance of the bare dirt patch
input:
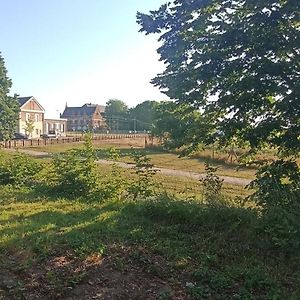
(125, 273)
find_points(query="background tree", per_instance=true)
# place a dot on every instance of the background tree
(142, 115)
(9, 106)
(116, 113)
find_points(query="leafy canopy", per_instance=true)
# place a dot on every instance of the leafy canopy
(9, 107)
(237, 61)
(142, 115)
(115, 107)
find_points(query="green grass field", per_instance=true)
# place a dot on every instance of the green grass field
(154, 249)
(169, 246)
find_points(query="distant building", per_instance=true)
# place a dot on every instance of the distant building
(88, 116)
(56, 127)
(31, 112)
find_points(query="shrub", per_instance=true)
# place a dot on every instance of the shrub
(212, 186)
(278, 194)
(115, 185)
(144, 185)
(76, 171)
(282, 228)
(277, 185)
(19, 169)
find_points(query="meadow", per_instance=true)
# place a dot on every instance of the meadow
(170, 245)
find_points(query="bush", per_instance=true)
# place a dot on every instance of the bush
(76, 171)
(19, 170)
(277, 185)
(282, 228)
(144, 185)
(115, 184)
(212, 186)
(278, 194)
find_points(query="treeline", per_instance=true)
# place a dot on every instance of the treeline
(121, 118)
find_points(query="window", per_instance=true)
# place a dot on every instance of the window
(27, 117)
(37, 131)
(36, 117)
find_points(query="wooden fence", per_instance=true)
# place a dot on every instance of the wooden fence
(73, 139)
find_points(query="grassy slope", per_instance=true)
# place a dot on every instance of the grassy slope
(196, 252)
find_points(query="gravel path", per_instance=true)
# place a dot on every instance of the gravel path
(164, 171)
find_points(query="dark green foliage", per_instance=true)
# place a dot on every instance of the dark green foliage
(9, 106)
(278, 185)
(179, 125)
(212, 186)
(168, 124)
(252, 283)
(144, 185)
(19, 170)
(238, 62)
(282, 227)
(244, 54)
(75, 171)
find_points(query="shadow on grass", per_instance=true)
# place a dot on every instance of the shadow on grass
(175, 229)
(213, 241)
(223, 162)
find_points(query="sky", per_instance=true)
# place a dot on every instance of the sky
(79, 51)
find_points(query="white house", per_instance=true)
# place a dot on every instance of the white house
(31, 112)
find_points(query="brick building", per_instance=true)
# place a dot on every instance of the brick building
(87, 117)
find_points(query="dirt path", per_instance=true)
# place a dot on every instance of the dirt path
(164, 171)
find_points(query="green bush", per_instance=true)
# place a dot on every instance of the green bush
(114, 185)
(277, 185)
(75, 172)
(144, 185)
(19, 169)
(278, 195)
(282, 229)
(212, 186)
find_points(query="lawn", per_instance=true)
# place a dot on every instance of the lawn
(154, 249)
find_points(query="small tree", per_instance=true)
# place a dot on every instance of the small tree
(29, 127)
(144, 185)
(212, 185)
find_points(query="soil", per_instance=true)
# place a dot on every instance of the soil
(123, 274)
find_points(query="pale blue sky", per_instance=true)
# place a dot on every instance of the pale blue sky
(79, 51)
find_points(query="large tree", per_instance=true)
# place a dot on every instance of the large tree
(9, 106)
(238, 61)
